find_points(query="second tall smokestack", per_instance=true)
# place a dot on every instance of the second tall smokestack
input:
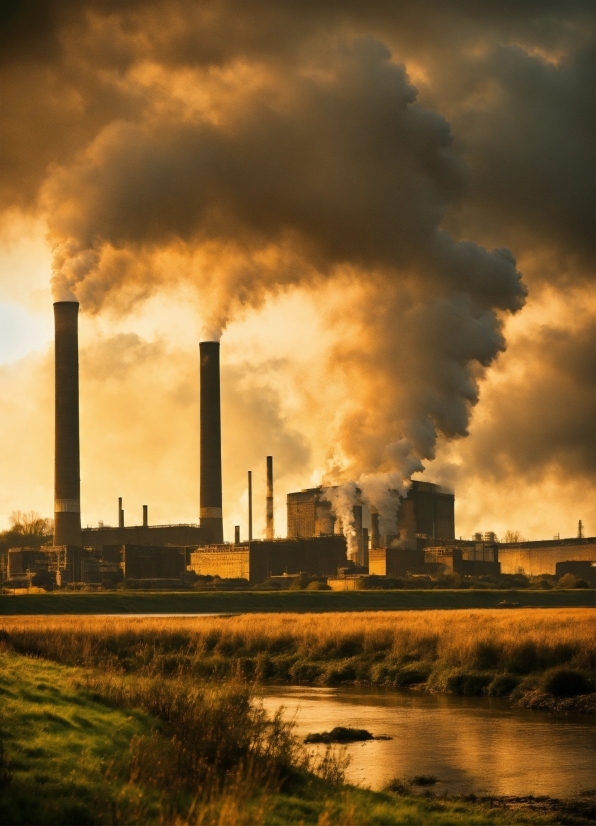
(211, 493)
(67, 480)
(270, 533)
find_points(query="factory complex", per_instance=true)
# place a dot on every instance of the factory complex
(421, 542)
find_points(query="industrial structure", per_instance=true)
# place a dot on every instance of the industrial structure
(258, 560)
(67, 484)
(421, 540)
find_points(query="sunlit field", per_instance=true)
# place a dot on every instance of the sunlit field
(527, 655)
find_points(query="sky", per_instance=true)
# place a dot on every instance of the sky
(384, 211)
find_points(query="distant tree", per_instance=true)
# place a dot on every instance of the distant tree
(514, 536)
(30, 523)
(27, 528)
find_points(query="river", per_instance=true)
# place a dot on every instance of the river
(477, 745)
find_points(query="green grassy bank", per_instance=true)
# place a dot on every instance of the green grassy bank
(288, 601)
(75, 751)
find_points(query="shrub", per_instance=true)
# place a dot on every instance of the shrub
(412, 675)
(303, 671)
(571, 581)
(467, 683)
(339, 673)
(503, 685)
(317, 585)
(565, 682)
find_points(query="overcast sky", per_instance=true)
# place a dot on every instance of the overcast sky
(385, 211)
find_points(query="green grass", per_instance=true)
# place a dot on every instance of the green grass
(287, 601)
(74, 759)
(67, 755)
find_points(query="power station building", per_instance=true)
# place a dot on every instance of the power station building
(258, 560)
(423, 536)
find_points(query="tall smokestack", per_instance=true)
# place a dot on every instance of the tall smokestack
(67, 477)
(270, 530)
(145, 516)
(250, 505)
(211, 496)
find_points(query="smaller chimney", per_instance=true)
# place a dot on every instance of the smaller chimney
(375, 536)
(250, 505)
(236, 534)
(120, 513)
(357, 511)
(365, 547)
(270, 530)
(145, 516)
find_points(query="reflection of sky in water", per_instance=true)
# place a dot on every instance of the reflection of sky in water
(470, 744)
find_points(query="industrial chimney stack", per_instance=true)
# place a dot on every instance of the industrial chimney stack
(211, 495)
(67, 478)
(270, 532)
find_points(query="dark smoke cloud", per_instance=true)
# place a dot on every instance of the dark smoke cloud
(317, 159)
(527, 430)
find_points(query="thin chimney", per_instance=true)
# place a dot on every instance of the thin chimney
(270, 533)
(67, 476)
(375, 536)
(236, 534)
(250, 505)
(145, 516)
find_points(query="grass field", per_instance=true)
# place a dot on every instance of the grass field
(541, 658)
(85, 746)
(271, 601)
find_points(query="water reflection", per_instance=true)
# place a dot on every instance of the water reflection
(471, 744)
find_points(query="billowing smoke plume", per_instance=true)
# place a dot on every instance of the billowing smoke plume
(259, 165)
(334, 172)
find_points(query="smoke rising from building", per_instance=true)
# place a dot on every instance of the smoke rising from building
(249, 155)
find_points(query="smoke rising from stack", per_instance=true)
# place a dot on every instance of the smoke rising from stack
(516, 85)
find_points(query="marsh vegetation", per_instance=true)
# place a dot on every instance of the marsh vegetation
(533, 657)
(122, 720)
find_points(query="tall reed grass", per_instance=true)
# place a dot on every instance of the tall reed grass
(468, 652)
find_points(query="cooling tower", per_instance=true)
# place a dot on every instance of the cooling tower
(270, 532)
(211, 497)
(67, 480)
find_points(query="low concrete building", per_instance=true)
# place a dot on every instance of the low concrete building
(395, 562)
(258, 560)
(145, 535)
(153, 562)
(541, 557)
(466, 558)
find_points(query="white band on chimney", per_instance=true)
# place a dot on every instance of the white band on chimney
(67, 506)
(211, 513)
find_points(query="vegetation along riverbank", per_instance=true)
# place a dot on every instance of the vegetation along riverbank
(230, 602)
(94, 745)
(538, 659)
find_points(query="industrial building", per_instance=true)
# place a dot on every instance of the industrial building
(258, 560)
(541, 557)
(423, 538)
(426, 513)
(145, 535)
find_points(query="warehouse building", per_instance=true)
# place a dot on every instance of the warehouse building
(258, 560)
(541, 557)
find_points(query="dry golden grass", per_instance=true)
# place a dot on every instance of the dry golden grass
(480, 639)
(456, 631)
